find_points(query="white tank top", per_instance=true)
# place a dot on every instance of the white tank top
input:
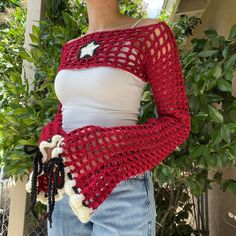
(101, 95)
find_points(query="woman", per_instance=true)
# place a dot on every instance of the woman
(99, 83)
(130, 209)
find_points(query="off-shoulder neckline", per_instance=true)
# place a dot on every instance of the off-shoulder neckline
(115, 30)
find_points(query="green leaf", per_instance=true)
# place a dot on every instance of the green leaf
(232, 149)
(230, 62)
(230, 184)
(211, 83)
(23, 141)
(211, 33)
(232, 115)
(24, 55)
(232, 187)
(165, 170)
(226, 133)
(146, 96)
(202, 114)
(232, 127)
(34, 39)
(36, 53)
(194, 104)
(212, 161)
(216, 136)
(194, 125)
(159, 176)
(225, 52)
(228, 74)
(224, 85)
(14, 156)
(232, 33)
(215, 42)
(35, 29)
(207, 53)
(217, 70)
(215, 114)
(212, 98)
(28, 121)
(196, 151)
(196, 187)
(222, 159)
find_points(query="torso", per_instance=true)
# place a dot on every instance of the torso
(102, 91)
(100, 95)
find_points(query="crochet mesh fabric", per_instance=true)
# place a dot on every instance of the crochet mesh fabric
(98, 158)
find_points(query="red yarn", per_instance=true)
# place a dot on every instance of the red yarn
(104, 156)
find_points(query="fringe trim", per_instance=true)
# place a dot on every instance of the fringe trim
(41, 195)
(45, 144)
(75, 199)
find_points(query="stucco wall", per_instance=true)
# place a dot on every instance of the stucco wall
(220, 15)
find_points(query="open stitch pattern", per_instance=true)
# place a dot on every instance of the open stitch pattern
(98, 158)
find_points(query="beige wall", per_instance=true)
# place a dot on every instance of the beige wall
(219, 204)
(220, 15)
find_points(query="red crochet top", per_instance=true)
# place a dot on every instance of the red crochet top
(98, 158)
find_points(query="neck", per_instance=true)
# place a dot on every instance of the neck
(104, 15)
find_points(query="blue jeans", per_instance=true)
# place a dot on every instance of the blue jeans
(130, 210)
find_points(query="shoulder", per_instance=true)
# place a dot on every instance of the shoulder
(148, 21)
(142, 22)
(155, 26)
(158, 27)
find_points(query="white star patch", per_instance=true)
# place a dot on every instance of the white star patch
(88, 50)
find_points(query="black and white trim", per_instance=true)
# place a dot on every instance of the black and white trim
(75, 197)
